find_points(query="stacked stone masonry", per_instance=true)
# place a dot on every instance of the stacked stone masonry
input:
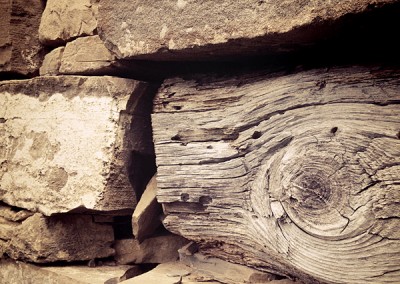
(188, 141)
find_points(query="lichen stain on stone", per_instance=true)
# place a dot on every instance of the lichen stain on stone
(56, 178)
(41, 146)
(9, 145)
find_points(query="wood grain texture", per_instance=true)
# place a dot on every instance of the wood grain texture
(298, 173)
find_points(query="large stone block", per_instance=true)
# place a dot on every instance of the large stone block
(20, 49)
(60, 238)
(67, 19)
(192, 29)
(67, 143)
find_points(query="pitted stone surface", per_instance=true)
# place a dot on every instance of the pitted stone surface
(72, 237)
(20, 49)
(65, 20)
(66, 144)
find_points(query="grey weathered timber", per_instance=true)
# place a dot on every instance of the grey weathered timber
(294, 173)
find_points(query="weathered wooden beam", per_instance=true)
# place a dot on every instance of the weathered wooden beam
(295, 173)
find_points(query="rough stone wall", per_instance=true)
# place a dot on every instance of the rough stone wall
(78, 180)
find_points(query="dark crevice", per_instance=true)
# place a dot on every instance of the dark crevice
(142, 169)
(365, 38)
(122, 226)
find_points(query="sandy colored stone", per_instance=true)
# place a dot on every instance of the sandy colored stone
(146, 217)
(64, 20)
(19, 272)
(52, 62)
(193, 29)
(20, 49)
(158, 249)
(86, 55)
(7, 228)
(60, 238)
(66, 143)
(13, 214)
(166, 273)
(223, 271)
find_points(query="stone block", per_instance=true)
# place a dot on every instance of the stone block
(13, 214)
(86, 55)
(224, 271)
(60, 238)
(187, 29)
(19, 272)
(66, 143)
(146, 217)
(20, 49)
(52, 62)
(158, 249)
(166, 273)
(64, 20)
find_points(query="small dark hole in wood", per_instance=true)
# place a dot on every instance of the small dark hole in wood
(334, 130)
(176, 138)
(256, 135)
(177, 107)
(184, 197)
(398, 135)
(165, 104)
(209, 147)
(205, 200)
(321, 84)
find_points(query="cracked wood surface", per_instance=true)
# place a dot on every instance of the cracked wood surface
(298, 173)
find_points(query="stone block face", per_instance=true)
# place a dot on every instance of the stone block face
(146, 217)
(86, 55)
(20, 49)
(159, 249)
(67, 19)
(189, 29)
(52, 62)
(18, 272)
(66, 143)
(60, 238)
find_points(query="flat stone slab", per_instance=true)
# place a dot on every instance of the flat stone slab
(20, 272)
(67, 141)
(183, 29)
(72, 237)
(86, 55)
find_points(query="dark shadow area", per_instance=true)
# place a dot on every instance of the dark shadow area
(367, 38)
(122, 226)
(12, 76)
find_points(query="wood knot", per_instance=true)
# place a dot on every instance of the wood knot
(313, 192)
